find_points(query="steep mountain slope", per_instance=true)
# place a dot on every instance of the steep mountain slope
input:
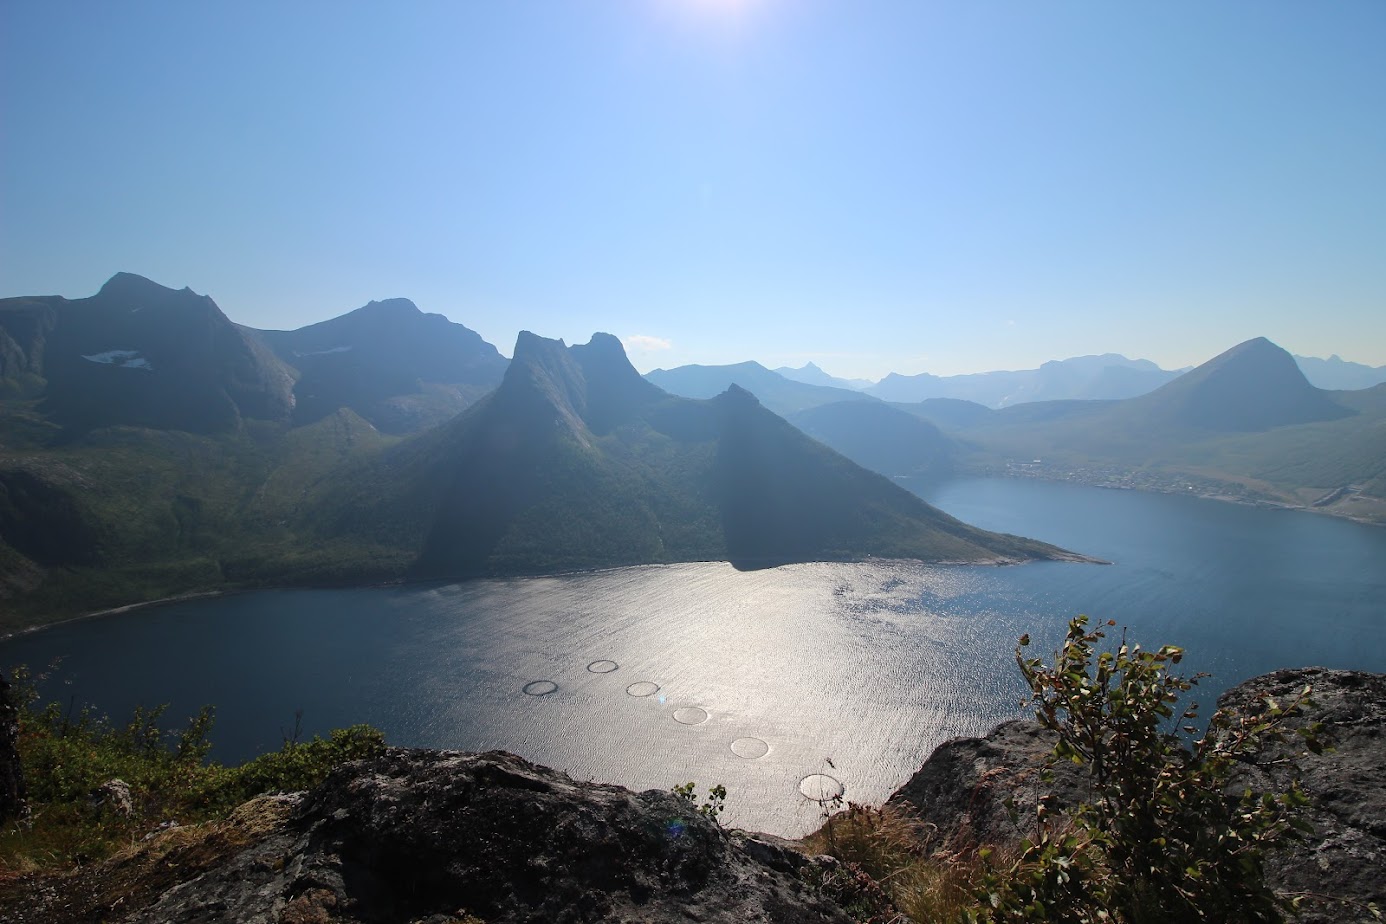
(880, 437)
(1253, 386)
(140, 354)
(399, 368)
(575, 462)
(776, 392)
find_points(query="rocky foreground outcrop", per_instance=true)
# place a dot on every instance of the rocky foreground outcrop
(430, 837)
(963, 787)
(1345, 857)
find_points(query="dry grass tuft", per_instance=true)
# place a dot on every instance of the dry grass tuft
(927, 875)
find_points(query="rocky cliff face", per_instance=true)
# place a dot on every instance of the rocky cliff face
(1345, 857)
(1339, 868)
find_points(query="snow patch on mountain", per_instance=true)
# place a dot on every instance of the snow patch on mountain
(125, 359)
(340, 349)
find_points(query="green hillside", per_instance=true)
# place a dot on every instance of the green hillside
(574, 462)
(1246, 425)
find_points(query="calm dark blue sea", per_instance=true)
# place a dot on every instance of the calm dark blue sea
(758, 680)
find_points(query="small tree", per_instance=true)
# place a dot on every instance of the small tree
(1167, 835)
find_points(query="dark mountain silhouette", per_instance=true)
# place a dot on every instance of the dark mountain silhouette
(880, 437)
(401, 369)
(137, 353)
(575, 461)
(1254, 386)
(776, 392)
(1337, 374)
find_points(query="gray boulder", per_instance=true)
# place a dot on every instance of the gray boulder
(114, 796)
(963, 788)
(449, 837)
(1341, 867)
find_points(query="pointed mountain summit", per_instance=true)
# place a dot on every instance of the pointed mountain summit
(1254, 386)
(811, 374)
(401, 369)
(138, 353)
(575, 462)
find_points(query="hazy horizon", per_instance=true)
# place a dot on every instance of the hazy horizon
(892, 187)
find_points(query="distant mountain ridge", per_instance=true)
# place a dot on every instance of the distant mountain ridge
(141, 354)
(1246, 425)
(1103, 377)
(810, 374)
(779, 394)
(1337, 374)
(399, 368)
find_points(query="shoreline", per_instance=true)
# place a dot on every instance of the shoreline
(998, 562)
(1212, 491)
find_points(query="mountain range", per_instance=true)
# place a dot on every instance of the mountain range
(1245, 425)
(789, 390)
(1082, 377)
(149, 446)
(1337, 374)
(1102, 377)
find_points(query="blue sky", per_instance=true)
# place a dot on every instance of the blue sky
(877, 186)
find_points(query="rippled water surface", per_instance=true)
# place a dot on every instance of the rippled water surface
(786, 685)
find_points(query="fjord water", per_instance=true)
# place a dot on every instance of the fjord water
(780, 684)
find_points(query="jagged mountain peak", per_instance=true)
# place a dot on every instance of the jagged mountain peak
(603, 353)
(594, 382)
(529, 345)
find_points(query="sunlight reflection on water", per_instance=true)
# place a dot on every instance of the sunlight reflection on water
(861, 667)
(654, 676)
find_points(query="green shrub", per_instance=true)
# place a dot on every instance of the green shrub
(714, 804)
(1167, 834)
(67, 753)
(294, 767)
